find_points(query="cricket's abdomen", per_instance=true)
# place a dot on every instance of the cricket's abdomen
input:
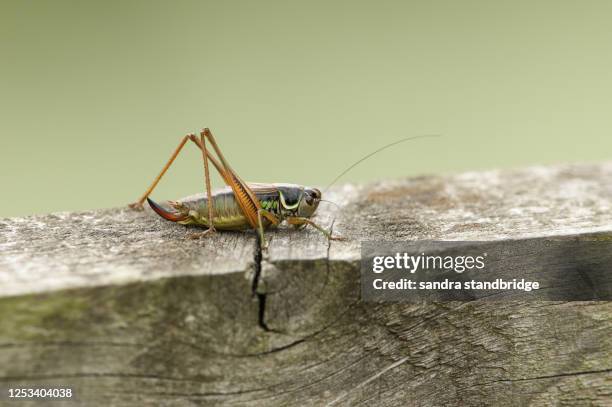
(227, 214)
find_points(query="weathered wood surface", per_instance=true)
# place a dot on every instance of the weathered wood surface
(120, 306)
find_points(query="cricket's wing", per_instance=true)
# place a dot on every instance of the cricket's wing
(262, 188)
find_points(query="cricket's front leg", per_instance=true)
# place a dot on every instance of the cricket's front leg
(298, 221)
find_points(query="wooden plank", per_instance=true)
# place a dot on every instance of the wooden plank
(121, 307)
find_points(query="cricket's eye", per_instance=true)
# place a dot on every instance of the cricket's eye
(309, 199)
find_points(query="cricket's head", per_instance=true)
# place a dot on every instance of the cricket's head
(309, 202)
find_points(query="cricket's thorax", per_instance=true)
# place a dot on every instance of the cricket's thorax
(281, 200)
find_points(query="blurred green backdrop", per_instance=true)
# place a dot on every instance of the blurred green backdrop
(95, 95)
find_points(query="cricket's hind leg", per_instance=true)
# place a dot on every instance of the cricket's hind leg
(201, 144)
(211, 222)
(211, 203)
(139, 203)
(246, 198)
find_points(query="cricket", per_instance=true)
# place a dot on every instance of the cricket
(241, 205)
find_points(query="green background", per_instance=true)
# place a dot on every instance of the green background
(95, 95)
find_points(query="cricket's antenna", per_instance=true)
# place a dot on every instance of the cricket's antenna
(376, 152)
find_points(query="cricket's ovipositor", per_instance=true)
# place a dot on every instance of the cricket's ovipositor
(242, 205)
